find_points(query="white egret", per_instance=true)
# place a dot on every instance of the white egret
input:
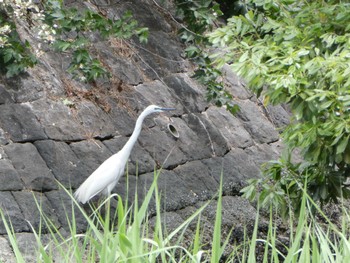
(106, 176)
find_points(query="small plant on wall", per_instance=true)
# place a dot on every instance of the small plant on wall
(66, 30)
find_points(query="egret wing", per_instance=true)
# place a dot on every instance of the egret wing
(107, 173)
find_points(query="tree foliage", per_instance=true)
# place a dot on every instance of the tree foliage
(298, 52)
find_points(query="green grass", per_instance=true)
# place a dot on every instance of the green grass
(128, 237)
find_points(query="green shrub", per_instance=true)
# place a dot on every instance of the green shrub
(298, 52)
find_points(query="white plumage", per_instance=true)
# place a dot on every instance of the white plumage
(106, 176)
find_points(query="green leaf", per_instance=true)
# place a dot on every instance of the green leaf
(325, 105)
(303, 53)
(7, 57)
(342, 145)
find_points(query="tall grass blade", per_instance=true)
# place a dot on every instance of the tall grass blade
(252, 248)
(217, 249)
(12, 237)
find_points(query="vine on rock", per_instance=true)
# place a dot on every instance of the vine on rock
(200, 17)
(64, 29)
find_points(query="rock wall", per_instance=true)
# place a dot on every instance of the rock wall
(53, 128)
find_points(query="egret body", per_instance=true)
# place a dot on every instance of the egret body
(106, 176)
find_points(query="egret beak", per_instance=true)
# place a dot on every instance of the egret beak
(167, 109)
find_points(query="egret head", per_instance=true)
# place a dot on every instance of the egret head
(154, 108)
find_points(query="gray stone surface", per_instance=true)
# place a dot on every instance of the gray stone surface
(235, 85)
(12, 214)
(117, 57)
(28, 247)
(123, 119)
(200, 183)
(234, 168)
(172, 198)
(279, 116)
(9, 178)
(3, 137)
(62, 162)
(161, 55)
(5, 97)
(92, 153)
(6, 253)
(160, 145)
(66, 211)
(204, 143)
(31, 203)
(256, 122)
(159, 94)
(95, 121)
(58, 120)
(31, 168)
(229, 127)
(19, 122)
(33, 88)
(189, 93)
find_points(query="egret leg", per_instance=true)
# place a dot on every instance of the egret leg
(107, 212)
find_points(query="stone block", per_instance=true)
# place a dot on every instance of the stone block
(147, 16)
(235, 85)
(262, 153)
(12, 213)
(197, 179)
(126, 187)
(173, 190)
(121, 66)
(162, 147)
(25, 87)
(123, 119)
(20, 123)
(59, 122)
(67, 212)
(6, 253)
(189, 92)
(158, 93)
(67, 168)
(234, 168)
(229, 127)
(9, 178)
(256, 122)
(31, 168)
(34, 207)
(161, 55)
(279, 116)
(5, 96)
(29, 249)
(95, 121)
(3, 137)
(204, 142)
